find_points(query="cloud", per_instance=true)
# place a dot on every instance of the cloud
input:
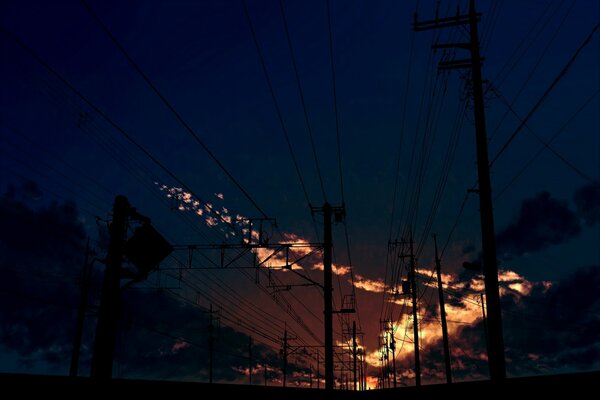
(41, 256)
(548, 328)
(587, 201)
(369, 285)
(542, 221)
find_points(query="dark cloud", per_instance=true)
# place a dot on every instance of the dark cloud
(587, 201)
(552, 330)
(41, 256)
(542, 221)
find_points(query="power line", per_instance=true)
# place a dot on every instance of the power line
(552, 138)
(177, 115)
(124, 133)
(545, 143)
(275, 102)
(560, 75)
(302, 100)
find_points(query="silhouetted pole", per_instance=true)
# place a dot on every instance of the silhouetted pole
(485, 326)
(496, 358)
(211, 341)
(393, 349)
(310, 376)
(285, 348)
(328, 294)
(354, 347)
(108, 315)
(318, 371)
(438, 268)
(413, 281)
(265, 371)
(250, 360)
(85, 288)
(488, 239)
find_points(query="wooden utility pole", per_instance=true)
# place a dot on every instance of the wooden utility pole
(108, 315)
(438, 268)
(496, 357)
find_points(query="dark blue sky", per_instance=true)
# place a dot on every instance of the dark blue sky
(201, 56)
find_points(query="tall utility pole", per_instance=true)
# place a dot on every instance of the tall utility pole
(85, 288)
(108, 315)
(413, 282)
(211, 340)
(495, 337)
(328, 211)
(354, 347)
(438, 268)
(328, 295)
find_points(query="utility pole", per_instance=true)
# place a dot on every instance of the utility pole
(318, 371)
(285, 353)
(211, 341)
(339, 212)
(328, 294)
(485, 325)
(250, 360)
(265, 371)
(310, 375)
(496, 356)
(393, 349)
(85, 288)
(108, 315)
(438, 268)
(354, 347)
(413, 281)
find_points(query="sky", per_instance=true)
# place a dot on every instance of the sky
(242, 120)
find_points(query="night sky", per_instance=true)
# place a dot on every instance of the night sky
(404, 139)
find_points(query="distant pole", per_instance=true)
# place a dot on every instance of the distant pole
(318, 371)
(265, 371)
(210, 345)
(108, 315)
(250, 360)
(85, 288)
(354, 347)
(310, 375)
(285, 345)
(393, 349)
(443, 314)
(328, 295)
(413, 279)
